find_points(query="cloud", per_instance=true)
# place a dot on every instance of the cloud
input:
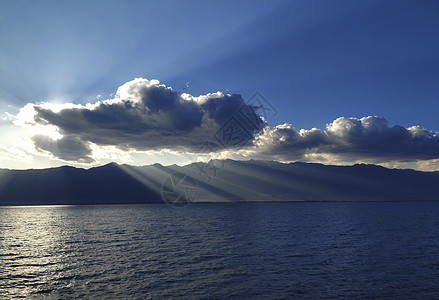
(347, 139)
(143, 116)
(147, 116)
(69, 148)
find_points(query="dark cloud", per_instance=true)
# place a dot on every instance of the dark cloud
(220, 110)
(69, 148)
(146, 115)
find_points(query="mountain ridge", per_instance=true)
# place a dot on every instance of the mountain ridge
(219, 160)
(217, 181)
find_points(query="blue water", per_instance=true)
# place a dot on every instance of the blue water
(251, 250)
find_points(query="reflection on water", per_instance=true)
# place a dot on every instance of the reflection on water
(30, 239)
(299, 250)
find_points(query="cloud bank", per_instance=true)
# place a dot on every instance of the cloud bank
(367, 139)
(143, 116)
(148, 116)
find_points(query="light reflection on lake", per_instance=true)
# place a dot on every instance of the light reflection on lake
(256, 250)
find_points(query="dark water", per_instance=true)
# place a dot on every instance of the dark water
(264, 250)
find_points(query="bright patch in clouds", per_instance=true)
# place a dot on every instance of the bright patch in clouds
(146, 118)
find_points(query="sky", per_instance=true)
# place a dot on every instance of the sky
(84, 83)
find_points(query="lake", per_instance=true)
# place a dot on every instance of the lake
(235, 250)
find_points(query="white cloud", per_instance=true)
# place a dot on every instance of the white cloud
(346, 140)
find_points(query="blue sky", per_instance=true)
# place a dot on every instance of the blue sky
(314, 61)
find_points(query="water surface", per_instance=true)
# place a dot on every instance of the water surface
(247, 250)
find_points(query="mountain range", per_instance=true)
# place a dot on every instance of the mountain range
(217, 180)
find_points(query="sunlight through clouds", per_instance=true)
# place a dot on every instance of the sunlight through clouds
(143, 116)
(146, 121)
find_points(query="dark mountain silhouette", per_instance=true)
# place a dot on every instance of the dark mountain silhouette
(226, 180)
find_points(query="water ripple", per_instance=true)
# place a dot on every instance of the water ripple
(282, 250)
